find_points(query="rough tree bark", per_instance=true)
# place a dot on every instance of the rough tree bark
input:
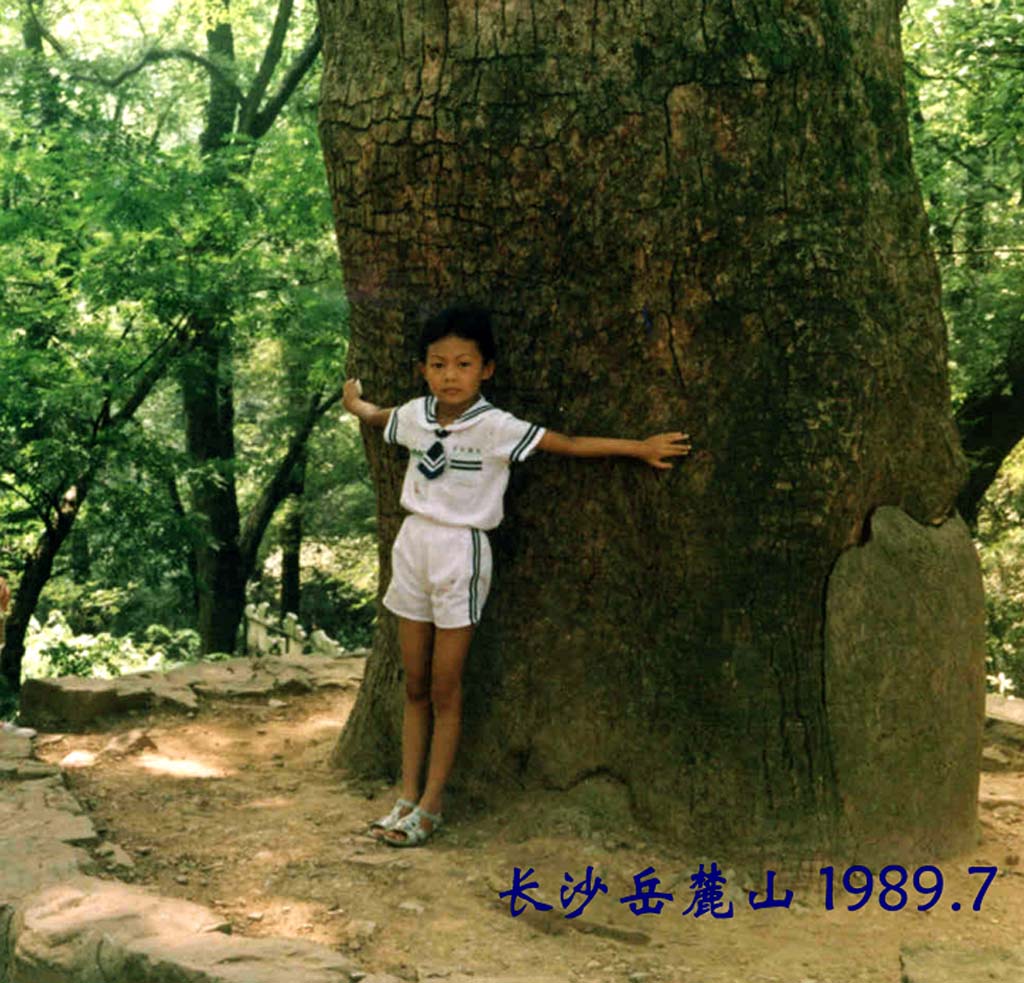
(684, 216)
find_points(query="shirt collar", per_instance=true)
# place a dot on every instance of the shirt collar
(468, 417)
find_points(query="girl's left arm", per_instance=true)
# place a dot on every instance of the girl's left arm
(652, 450)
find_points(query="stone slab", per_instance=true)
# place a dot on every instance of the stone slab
(72, 703)
(46, 811)
(27, 769)
(13, 747)
(905, 687)
(71, 930)
(1005, 708)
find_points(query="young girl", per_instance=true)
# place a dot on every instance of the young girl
(460, 449)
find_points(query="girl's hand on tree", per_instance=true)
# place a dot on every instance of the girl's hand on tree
(663, 445)
(351, 394)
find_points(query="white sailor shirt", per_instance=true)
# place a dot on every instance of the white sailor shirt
(458, 474)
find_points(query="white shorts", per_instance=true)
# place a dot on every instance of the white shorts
(439, 573)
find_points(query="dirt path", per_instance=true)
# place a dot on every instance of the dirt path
(237, 808)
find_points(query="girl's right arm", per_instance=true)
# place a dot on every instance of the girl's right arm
(370, 414)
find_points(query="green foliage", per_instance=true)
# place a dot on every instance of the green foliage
(90, 296)
(126, 608)
(175, 646)
(115, 235)
(54, 649)
(965, 81)
(1001, 548)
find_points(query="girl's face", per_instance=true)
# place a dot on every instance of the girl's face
(454, 370)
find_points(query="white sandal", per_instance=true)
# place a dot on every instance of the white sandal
(413, 828)
(401, 809)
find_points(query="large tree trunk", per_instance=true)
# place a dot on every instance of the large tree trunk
(291, 544)
(208, 400)
(697, 217)
(297, 381)
(207, 390)
(226, 558)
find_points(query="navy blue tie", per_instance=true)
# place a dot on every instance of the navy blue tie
(433, 464)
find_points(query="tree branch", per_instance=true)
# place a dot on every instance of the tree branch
(269, 63)
(264, 119)
(38, 510)
(44, 32)
(276, 490)
(148, 380)
(163, 54)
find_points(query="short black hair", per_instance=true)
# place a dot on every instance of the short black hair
(466, 321)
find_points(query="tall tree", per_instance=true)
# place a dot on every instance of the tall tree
(75, 365)
(965, 71)
(226, 265)
(226, 555)
(698, 217)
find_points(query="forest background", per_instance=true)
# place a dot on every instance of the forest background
(173, 326)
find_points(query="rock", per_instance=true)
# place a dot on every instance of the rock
(45, 811)
(948, 963)
(71, 702)
(1008, 710)
(47, 739)
(629, 936)
(14, 747)
(466, 977)
(1004, 734)
(78, 759)
(18, 770)
(360, 929)
(36, 769)
(994, 759)
(114, 856)
(130, 742)
(906, 606)
(13, 729)
(71, 929)
(414, 906)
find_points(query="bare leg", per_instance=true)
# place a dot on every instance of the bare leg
(415, 639)
(451, 646)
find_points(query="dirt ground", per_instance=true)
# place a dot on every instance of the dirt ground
(237, 808)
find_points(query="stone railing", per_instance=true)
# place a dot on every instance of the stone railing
(266, 634)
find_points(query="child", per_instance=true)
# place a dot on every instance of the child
(460, 449)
